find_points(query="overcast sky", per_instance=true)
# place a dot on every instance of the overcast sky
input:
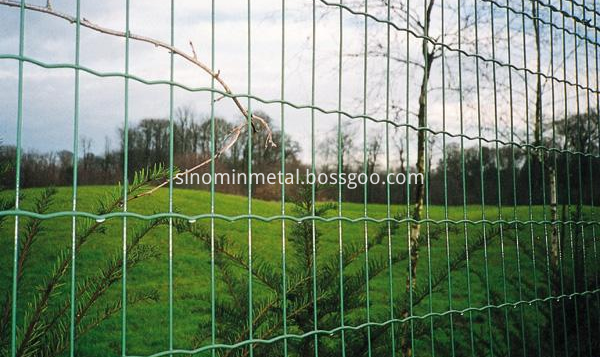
(48, 101)
(49, 96)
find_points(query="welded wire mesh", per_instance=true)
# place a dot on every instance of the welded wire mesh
(495, 103)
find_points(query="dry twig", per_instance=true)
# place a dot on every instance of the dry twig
(235, 133)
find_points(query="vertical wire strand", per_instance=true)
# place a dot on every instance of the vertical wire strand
(558, 275)
(340, 168)
(74, 197)
(463, 181)
(125, 187)
(445, 166)
(593, 215)
(543, 169)
(213, 285)
(514, 179)
(481, 178)
(528, 163)
(552, 270)
(249, 131)
(580, 240)
(589, 112)
(313, 170)
(567, 208)
(573, 226)
(498, 183)
(573, 199)
(366, 185)
(171, 169)
(14, 293)
(387, 185)
(559, 222)
(426, 153)
(408, 214)
(283, 161)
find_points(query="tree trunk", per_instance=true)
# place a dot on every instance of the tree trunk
(415, 227)
(554, 241)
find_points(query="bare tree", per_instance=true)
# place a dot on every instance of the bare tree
(374, 149)
(329, 148)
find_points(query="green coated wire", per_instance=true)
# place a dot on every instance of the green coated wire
(283, 159)
(365, 187)
(541, 20)
(514, 179)
(227, 218)
(408, 228)
(464, 53)
(580, 190)
(544, 200)
(387, 186)
(427, 152)
(171, 172)
(340, 160)
(597, 280)
(498, 181)
(481, 179)
(558, 231)
(360, 326)
(213, 288)
(589, 109)
(74, 197)
(125, 187)
(249, 131)
(581, 202)
(445, 165)
(529, 183)
(580, 178)
(575, 226)
(374, 18)
(568, 176)
(429, 266)
(15, 272)
(555, 230)
(463, 181)
(587, 8)
(291, 104)
(313, 171)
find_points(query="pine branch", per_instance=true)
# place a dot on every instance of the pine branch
(30, 231)
(35, 323)
(95, 287)
(261, 270)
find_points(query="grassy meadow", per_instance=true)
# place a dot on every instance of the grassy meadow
(509, 265)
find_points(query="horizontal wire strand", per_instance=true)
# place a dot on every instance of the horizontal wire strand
(413, 317)
(301, 106)
(227, 218)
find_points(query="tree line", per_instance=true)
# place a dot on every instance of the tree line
(456, 173)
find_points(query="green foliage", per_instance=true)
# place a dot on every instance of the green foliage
(44, 329)
(333, 283)
(192, 288)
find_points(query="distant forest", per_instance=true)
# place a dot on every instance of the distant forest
(508, 173)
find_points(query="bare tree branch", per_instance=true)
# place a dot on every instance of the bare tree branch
(233, 135)
(374, 53)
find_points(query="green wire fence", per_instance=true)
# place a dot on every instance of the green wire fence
(495, 103)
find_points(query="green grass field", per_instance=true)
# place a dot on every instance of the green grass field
(147, 322)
